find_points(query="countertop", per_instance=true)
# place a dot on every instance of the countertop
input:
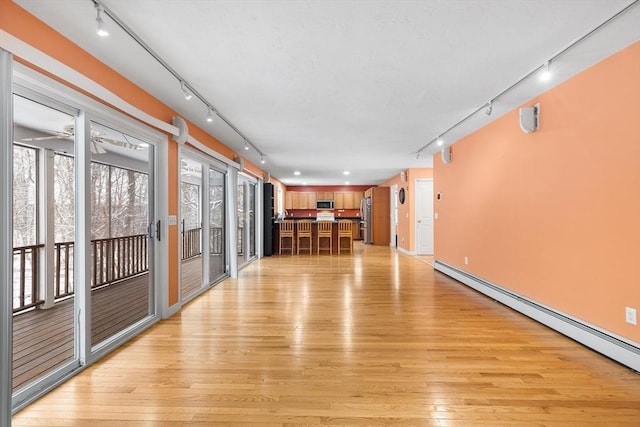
(312, 218)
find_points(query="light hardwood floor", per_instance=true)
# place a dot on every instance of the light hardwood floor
(373, 338)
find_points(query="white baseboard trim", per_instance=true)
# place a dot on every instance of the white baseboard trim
(406, 252)
(617, 348)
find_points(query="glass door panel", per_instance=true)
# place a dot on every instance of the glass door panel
(121, 191)
(240, 210)
(246, 208)
(217, 241)
(251, 218)
(191, 227)
(43, 241)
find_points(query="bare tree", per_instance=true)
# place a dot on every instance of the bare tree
(25, 203)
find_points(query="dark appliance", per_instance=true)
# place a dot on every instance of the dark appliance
(324, 204)
(365, 219)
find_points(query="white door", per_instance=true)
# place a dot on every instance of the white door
(424, 217)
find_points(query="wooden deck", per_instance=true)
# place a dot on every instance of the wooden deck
(43, 339)
(369, 339)
(191, 280)
(191, 276)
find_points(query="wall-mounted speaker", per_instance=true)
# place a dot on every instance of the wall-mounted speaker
(183, 130)
(529, 118)
(446, 155)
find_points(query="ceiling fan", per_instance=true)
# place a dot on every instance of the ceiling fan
(95, 144)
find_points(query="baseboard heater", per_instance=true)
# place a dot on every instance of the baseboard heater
(616, 348)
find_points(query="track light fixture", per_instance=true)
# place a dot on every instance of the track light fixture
(187, 94)
(262, 160)
(101, 30)
(210, 114)
(545, 75)
(246, 145)
(489, 109)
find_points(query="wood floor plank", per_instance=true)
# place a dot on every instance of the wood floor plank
(369, 339)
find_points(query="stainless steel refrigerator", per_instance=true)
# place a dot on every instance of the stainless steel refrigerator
(365, 219)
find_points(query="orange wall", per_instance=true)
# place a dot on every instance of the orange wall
(406, 212)
(17, 21)
(554, 215)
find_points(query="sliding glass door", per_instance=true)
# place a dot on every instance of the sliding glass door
(246, 219)
(43, 239)
(203, 201)
(76, 296)
(218, 263)
(191, 196)
(121, 211)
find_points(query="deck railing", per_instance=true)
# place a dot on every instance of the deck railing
(25, 277)
(191, 246)
(191, 243)
(63, 269)
(112, 260)
(118, 258)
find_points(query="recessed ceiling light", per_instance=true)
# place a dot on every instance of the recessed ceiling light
(346, 172)
(440, 142)
(346, 183)
(296, 173)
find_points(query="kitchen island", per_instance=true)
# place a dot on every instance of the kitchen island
(314, 239)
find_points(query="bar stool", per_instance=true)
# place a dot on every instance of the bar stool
(324, 231)
(286, 231)
(345, 231)
(303, 229)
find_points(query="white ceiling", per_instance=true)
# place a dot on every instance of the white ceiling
(328, 86)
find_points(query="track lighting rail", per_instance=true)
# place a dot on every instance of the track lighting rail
(184, 84)
(545, 66)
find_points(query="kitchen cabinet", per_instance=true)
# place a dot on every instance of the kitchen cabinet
(288, 200)
(357, 198)
(307, 199)
(311, 200)
(299, 200)
(347, 199)
(324, 195)
(355, 228)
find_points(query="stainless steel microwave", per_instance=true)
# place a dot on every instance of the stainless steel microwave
(324, 204)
